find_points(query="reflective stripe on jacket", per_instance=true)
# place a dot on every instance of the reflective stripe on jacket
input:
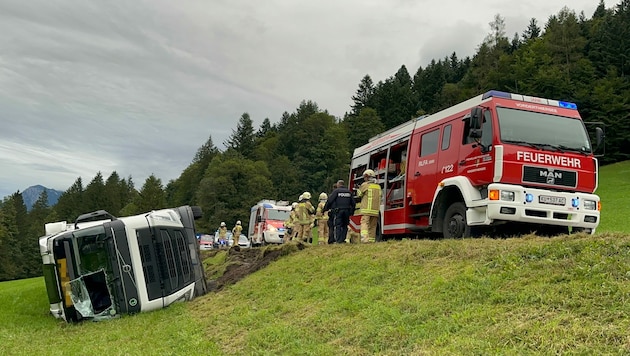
(370, 194)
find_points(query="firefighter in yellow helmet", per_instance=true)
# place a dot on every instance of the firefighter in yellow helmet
(322, 220)
(370, 194)
(236, 232)
(304, 213)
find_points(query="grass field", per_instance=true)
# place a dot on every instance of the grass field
(517, 296)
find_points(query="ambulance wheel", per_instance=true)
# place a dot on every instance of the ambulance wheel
(454, 224)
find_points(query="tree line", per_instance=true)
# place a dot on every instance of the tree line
(570, 58)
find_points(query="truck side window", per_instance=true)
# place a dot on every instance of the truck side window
(429, 143)
(446, 137)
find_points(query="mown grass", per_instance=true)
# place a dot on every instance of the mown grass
(517, 296)
(614, 190)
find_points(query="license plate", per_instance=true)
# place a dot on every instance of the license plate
(545, 199)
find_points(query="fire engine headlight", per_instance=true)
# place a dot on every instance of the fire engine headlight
(590, 205)
(507, 196)
(272, 228)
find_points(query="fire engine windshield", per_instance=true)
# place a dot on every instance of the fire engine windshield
(543, 131)
(273, 214)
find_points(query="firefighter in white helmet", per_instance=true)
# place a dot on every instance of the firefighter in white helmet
(222, 235)
(321, 217)
(370, 194)
(304, 213)
(236, 232)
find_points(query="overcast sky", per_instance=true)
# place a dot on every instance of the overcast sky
(137, 87)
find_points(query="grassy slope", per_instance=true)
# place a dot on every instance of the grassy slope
(614, 190)
(515, 296)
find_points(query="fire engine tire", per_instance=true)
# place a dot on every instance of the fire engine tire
(454, 224)
(379, 233)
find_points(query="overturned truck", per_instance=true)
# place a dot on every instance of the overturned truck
(101, 266)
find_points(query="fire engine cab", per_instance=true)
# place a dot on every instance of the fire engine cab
(496, 161)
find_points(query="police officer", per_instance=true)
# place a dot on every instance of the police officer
(370, 194)
(341, 205)
(331, 221)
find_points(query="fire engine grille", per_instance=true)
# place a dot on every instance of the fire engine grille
(543, 175)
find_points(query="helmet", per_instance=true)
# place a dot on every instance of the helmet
(369, 173)
(238, 222)
(301, 197)
(323, 196)
(306, 195)
(294, 205)
(222, 223)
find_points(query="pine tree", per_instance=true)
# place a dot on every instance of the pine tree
(151, 196)
(242, 139)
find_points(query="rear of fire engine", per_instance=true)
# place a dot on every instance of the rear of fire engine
(497, 162)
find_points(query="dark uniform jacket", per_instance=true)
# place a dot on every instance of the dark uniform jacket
(340, 198)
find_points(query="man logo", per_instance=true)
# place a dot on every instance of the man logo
(551, 175)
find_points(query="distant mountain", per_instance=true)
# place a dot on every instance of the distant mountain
(31, 194)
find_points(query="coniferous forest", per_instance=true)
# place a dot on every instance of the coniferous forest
(571, 57)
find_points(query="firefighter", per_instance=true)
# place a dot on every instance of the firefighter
(304, 213)
(370, 194)
(289, 224)
(341, 205)
(236, 232)
(223, 235)
(321, 217)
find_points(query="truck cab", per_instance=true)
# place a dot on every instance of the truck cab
(101, 267)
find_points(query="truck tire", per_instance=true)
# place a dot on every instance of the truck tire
(454, 224)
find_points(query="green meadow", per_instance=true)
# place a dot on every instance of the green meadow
(516, 296)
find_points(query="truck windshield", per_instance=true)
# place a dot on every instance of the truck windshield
(282, 215)
(543, 131)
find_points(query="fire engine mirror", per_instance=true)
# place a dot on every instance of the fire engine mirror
(476, 116)
(599, 134)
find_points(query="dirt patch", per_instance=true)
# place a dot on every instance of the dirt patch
(226, 267)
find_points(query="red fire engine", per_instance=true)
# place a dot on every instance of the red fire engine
(494, 162)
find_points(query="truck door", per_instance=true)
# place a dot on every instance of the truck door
(476, 160)
(423, 166)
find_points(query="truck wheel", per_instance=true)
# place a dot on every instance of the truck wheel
(454, 224)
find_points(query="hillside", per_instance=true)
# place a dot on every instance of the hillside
(526, 295)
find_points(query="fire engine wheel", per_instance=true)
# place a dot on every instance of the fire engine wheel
(455, 226)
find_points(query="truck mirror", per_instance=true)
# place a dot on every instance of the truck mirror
(599, 134)
(476, 117)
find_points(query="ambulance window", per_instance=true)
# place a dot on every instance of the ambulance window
(446, 137)
(429, 143)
